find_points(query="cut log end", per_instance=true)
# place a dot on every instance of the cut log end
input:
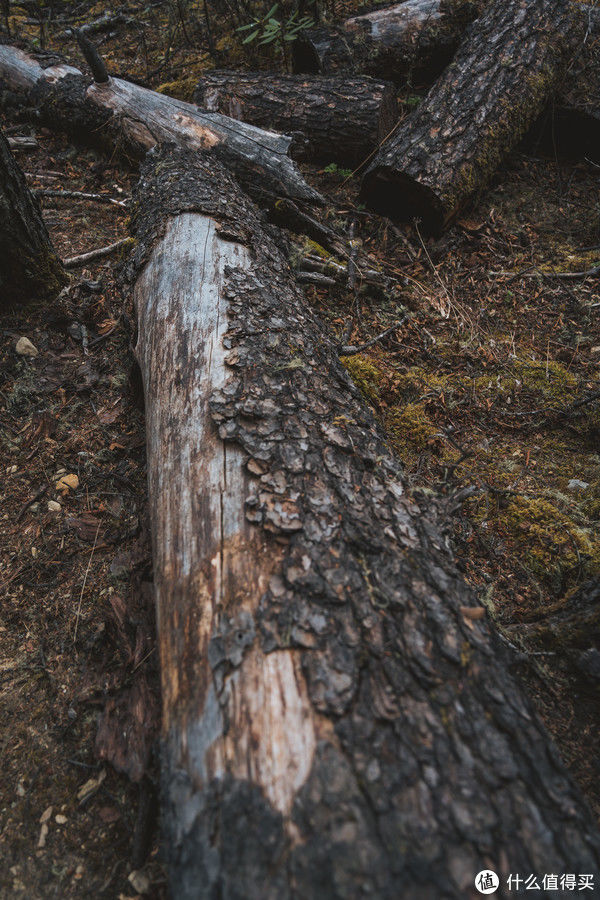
(395, 194)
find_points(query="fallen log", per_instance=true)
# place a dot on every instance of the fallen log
(338, 717)
(29, 266)
(133, 119)
(337, 119)
(499, 82)
(413, 41)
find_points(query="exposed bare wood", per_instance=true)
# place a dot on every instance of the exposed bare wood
(338, 716)
(411, 41)
(132, 119)
(73, 262)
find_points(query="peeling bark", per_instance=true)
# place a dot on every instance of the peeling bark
(336, 722)
(336, 118)
(412, 41)
(132, 119)
(29, 267)
(499, 82)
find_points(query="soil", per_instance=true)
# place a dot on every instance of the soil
(489, 391)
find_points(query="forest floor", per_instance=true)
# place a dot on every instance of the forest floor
(488, 392)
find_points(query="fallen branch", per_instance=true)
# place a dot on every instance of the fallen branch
(74, 261)
(124, 116)
(352, 351)
(80, 195)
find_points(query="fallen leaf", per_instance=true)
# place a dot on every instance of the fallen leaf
(67, 483)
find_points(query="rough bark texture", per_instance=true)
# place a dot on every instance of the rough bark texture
(337, 118)
(411, 41)
(29, 267)
(338, 721)
(505, 70)
(133, 119)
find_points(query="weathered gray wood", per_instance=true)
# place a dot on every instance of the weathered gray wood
(338, 717)
(132, 119)
(29, 266)
(506, 68)
(338, 119)
(411, 41)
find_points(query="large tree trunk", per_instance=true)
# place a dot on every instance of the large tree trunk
(412, 41)
(338, 717)
(133, 119)
(337, 119)
(29, 267)
(499, 82)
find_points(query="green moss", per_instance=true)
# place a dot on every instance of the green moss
(410, 429)
(182, 89)
(311, 246)
(549, 378)
(366, 375)
(556, 548)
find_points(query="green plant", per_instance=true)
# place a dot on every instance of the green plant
(334, 169)
(271, 30)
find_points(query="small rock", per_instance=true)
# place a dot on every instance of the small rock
(60, 819)
(54, 506)
(67, 483)
(139, 881)
(43, 835)
(11, 470)
(576, 485)
(24, 347)
(595, 351)
(46, 815)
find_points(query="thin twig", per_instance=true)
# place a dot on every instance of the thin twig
(80, 195)
(352, 351)
(85, 577)
(83, 258)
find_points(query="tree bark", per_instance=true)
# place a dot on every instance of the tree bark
(498, 83)
(338, 717)
(133, 119)
(29, 267)
(336, 119)
(412, 41)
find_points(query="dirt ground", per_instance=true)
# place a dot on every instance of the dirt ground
(489, 392)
